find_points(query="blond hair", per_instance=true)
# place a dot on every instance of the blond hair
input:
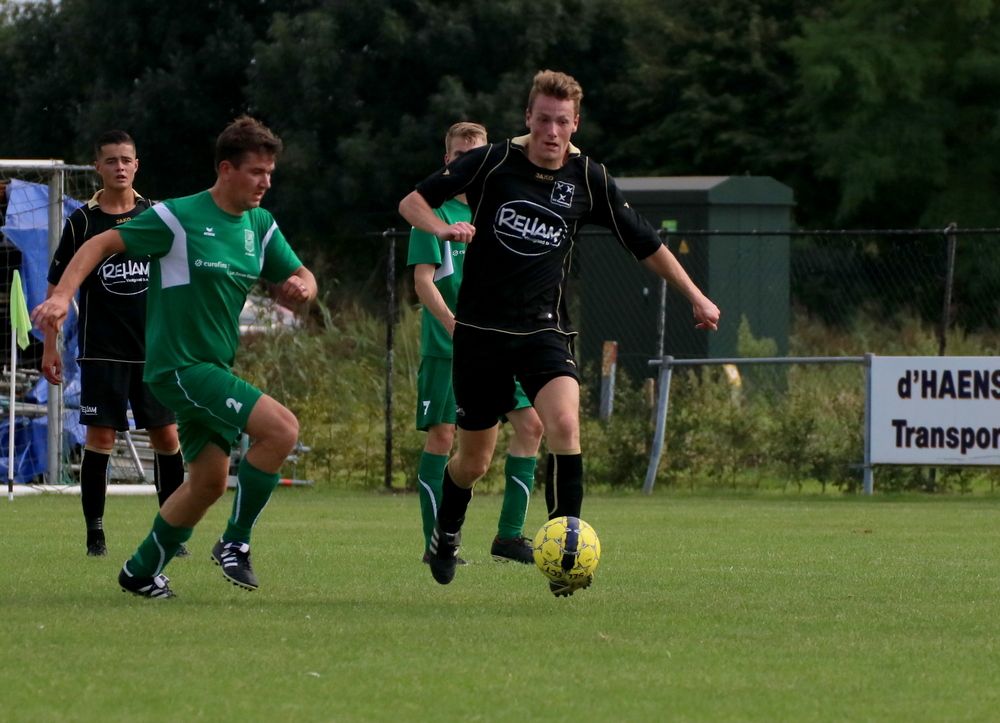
(465, 131)
(556, 85)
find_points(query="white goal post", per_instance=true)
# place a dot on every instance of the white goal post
(54, 173)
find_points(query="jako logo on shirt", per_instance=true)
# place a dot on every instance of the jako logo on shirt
(123, 276)
(528, 229)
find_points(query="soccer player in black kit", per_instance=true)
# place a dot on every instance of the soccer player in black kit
(529, 196)
(112, 339)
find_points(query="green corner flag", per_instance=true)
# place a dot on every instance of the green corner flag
(20, 322)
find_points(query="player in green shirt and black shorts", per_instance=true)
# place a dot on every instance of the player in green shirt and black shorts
(207, 251)
(437, 275)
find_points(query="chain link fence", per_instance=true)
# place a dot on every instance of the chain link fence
(809, 292)
(784, 294)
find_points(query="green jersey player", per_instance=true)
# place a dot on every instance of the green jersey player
(207, 251)
(437, 274)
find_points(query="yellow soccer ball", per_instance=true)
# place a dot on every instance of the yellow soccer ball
(567, 551)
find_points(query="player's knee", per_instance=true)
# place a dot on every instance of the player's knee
(164, 438)
(563, 428)
(471, 467)
(207, 491)
(440, 437)
(101, 437)
(530, 431)
(285, 433)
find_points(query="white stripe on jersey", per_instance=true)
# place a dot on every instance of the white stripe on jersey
(174, 269)
(265, 241)
(447, 267)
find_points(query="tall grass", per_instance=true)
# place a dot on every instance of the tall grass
(797, 427)
(332, 375)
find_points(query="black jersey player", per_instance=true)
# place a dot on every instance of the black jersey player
(529, 196)
(112, 349)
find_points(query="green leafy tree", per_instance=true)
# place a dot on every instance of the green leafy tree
(900, 97)
(37, 109)
(709, 91)
(363, 92)
(172, 74)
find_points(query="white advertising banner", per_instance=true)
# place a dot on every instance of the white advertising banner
(935, 410)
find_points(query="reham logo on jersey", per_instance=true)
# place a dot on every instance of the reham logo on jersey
(123, 276)
(529, 229)
(249, 245)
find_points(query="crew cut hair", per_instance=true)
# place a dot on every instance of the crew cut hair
(111, 138)
(245, 135)
(556, 85)
(463, 130)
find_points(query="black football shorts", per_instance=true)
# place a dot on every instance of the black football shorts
(108, 388)
(486, 364)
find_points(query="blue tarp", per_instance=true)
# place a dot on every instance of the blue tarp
(26, 226)
(30, 445)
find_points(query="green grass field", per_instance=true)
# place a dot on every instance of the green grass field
(704, 608)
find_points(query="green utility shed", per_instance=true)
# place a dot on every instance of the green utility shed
(746, 275)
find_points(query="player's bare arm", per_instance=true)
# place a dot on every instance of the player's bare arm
(298, 288)
(665, 264)
(51, 358)
(417, 212)
(430, 296)
(50, 314)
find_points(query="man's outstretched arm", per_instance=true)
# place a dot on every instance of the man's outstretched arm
(50, 314)
(665, 265)
(418, 213)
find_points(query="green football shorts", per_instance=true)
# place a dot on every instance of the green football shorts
(436, 397)
(211, 404)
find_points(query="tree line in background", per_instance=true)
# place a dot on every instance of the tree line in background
(878, 113)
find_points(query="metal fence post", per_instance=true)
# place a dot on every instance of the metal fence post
(661, 321)
(609, 370)
(390, 330)
(949, 285)
(662, 402)
(54, 435)
(868, 482)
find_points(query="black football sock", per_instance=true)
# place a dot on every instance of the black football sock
(94, 487)
(168, 473)
(95, 530)
(454, 503)
(564, 485)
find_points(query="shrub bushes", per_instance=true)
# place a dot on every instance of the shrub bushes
(779, 427)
